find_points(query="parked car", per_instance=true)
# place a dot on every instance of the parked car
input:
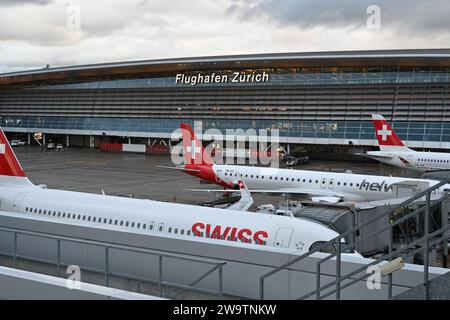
(59, 147)
(16, 142)
(293, 161)
(51, 146)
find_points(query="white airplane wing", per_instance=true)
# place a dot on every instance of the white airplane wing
(246, 200)
(299, 191)
(314, 195)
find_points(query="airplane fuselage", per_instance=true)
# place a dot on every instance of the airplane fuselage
(166, 219)
(348, 186)
(413, 160)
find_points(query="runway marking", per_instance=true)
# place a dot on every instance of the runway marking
(75, 161)
(98, 162)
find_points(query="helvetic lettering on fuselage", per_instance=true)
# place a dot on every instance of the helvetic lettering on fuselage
(375, 186)
(201, 229)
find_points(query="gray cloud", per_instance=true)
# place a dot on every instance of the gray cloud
(33, 35)
(409, 16)
(9, 3)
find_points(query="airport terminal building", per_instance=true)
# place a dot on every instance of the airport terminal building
(317, 99)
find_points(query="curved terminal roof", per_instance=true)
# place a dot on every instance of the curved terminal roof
(415, 57)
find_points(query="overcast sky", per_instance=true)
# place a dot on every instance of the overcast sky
(34, 33)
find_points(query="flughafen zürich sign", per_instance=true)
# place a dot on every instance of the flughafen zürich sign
(235, 77)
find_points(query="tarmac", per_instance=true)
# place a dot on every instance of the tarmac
(89, 170)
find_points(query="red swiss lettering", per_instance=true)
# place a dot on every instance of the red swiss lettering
(233, 234)
(197, 227)
(208, 230)
(216, 233)
(260, 237)
(241, 236)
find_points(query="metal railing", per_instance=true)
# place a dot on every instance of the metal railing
(217, 265)
(339, 249)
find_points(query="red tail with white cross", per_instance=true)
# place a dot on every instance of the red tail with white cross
(194, 153)
(387, 138)
(10, 169)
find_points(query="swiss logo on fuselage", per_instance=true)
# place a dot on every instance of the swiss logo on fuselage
(246, 235)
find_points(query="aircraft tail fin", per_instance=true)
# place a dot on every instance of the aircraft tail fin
(386, 136)
(194, 153)
(11, 172)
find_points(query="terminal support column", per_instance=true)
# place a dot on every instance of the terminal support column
(444, 218)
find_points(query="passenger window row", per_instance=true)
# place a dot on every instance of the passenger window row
(434, 160)
(178, 231)
(289, 179)
(136, 225)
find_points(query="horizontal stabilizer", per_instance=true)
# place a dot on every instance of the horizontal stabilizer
(213, 190)
(378, 156)
(179, 168)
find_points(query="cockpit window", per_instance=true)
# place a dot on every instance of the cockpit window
(327, 249)
(331, 248)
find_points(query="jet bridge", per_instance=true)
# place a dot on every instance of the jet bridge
(440, 175)
(344, 216)
(337, 216)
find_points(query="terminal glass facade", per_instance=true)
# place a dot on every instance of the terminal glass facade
(283, 77)
(411, 131)
(316, 102)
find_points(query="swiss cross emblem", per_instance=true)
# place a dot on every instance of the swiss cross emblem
(193, 149)
(384, 132)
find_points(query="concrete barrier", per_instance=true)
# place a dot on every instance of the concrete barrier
(24, 285)
(137, 148)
